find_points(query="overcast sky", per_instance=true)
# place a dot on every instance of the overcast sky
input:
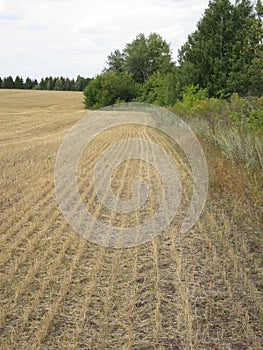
(40, 38)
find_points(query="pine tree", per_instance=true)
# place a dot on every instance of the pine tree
(8, 83)
(28, 84)
(245, 50)
(18, 84)
(224, 54)
(205, 54)
(50, 83)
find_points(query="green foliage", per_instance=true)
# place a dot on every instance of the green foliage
(237, 111)
(80, 83)
(224, 54)
(116, 61)
(171, 87)
(255, 119)
(206, 51)
(8, 83)
(152, 90)
(109, 88)
(142, 57)
(160, 89)
(246, 113)
(59, 84)
(28, 84)
(48, 83)
(234, 125)
(192, 95)
(18, 83)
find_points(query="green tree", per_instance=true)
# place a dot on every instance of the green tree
(34, 83)
(42, 84)
(160, 89)
(116, 62)
(60, 84)
(18, 84)
(142, 57)
(246, 50)
(171, 87)
(204, 57)
(145, 56)
(68, 84)
(28, 84)
(50, 84)
(109, 88)
(81, 83)
(224, 54)
(152, 90)
(8, 83)
(256, 68)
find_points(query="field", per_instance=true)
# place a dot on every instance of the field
(201, 290)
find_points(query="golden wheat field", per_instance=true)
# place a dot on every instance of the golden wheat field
(197, 291)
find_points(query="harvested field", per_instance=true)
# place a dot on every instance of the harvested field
(201, 290)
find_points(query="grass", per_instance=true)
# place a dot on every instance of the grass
(201, 290)
(234, 126)
(235, 143)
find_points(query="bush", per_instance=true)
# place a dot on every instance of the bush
(235, 126)
(152, 90)
(107, 88)
(192, 95)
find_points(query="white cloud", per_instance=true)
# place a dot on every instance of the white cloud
(67, 37)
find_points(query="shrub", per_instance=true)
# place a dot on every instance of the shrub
(235, 126)
(107, 88)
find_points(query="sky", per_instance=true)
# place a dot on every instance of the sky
(40, 38)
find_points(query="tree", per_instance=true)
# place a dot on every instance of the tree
(152, 90)
(223, 54)
(68, 84)
(205, 54)
(60, 84)
(49, 83)
(109, 88)
(116, 61)
(42, 84)
(34, 83)
(8, 83)
(256, 69)
(81, 83)
(145, 56)
(18, 84)
(246, 49)
(142, 57)
(160, 89)
(172, 87)
(28, 84)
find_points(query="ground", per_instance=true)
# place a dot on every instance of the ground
(200, 290)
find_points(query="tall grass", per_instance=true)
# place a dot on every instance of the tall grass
(239, 146)
(235, 126)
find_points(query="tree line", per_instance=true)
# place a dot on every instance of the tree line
(48, 83)
(222, 57)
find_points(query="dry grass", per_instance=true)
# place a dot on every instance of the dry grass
(202, 290)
